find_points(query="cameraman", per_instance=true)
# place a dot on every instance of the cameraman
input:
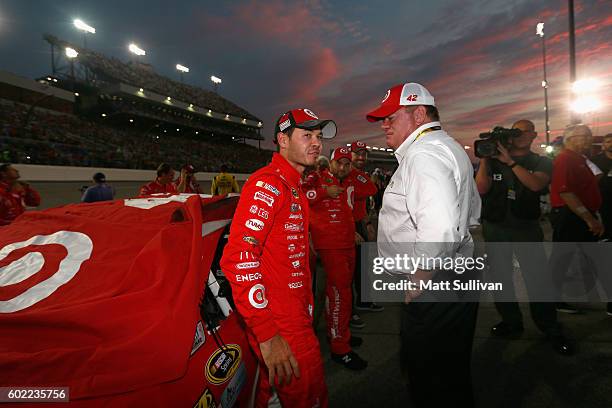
(511, 184)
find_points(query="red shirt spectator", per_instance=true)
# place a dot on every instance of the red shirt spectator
(14, 195)
(155, 187)
(572, 175)
(162, 184)
(192, 188)
(187, 181)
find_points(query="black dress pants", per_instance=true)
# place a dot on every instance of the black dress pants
(530, 253)
(436, 352)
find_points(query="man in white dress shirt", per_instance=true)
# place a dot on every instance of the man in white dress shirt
(428, 207)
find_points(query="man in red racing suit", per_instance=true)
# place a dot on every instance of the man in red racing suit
(333, 235)
(364, 188)
(266, 263)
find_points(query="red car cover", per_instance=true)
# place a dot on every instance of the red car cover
(103, 298)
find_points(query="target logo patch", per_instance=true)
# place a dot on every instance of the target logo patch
(257, 296)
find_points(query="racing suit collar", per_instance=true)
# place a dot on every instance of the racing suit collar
(286, 169)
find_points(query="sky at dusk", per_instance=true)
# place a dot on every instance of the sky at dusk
(481, 59)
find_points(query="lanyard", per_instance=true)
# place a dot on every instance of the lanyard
(431, 129)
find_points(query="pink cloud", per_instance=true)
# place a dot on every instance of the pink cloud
(289, 23)
(286, 26)
(325, 68)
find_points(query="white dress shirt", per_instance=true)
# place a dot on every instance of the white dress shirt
(431, 200)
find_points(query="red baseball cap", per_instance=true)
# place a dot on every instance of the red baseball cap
(398, 96)
(341, 153)
(357, 146)
(189, 168)
(305, 119)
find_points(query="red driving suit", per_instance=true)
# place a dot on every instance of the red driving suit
(12, 203)
(333, 235)
(266, 262)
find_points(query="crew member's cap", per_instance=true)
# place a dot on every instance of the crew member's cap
(189, 168)
(305, 119)
(398, 96)
(341, 153)
(99, 178)
(358, 146)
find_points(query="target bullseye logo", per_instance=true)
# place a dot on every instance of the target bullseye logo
(311, 113)
(386, 96)
(78, 247)
(257, 296)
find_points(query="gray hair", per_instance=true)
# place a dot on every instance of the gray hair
(576, 130)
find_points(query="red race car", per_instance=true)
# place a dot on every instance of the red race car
(122, 304)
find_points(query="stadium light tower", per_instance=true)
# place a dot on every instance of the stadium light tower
(182, 69)
(586, 100)
(216, 81)
(71, 54)
(86, 28)
(137, 51)
(134, 49)
(540, 32)
(572, 52)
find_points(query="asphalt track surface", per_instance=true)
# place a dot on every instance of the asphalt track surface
(506, 373)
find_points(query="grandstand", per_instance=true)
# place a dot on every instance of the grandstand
(378, 157)
(97, 111)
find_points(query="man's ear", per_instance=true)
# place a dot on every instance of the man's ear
(420, 115)
(282, 139)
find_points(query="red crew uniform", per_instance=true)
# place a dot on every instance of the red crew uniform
(266, 262)
(364, 187)
(155, 187)
(333, 235)
(13, 203)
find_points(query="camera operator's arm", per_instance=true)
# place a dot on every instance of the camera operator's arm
(483, 178)
(535, 181)
(578, 208)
